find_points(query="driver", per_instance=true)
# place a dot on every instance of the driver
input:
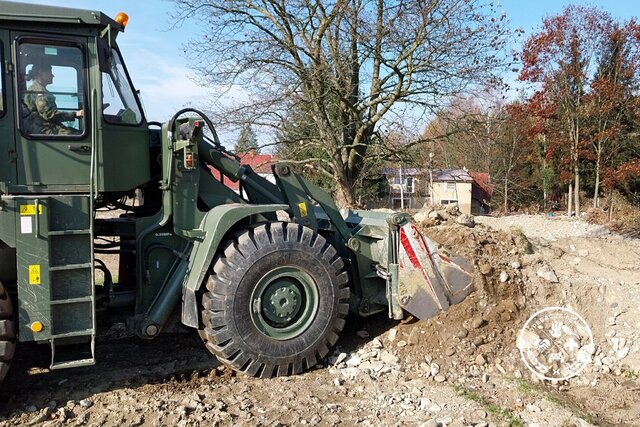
(42, 115)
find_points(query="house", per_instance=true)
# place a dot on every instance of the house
(410, 188)
(259, 163)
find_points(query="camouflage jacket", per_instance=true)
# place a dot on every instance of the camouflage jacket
(42, 115)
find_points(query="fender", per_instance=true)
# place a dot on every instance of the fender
(216, 223)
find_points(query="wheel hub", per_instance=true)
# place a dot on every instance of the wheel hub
(284, 303)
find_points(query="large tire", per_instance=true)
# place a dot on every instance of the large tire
(7, 332)
(276, 301)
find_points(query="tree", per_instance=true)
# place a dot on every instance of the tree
(613, 101)
(247, 141)
(349, 65)
(560, 59)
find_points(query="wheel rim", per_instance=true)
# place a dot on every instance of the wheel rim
(284, 303)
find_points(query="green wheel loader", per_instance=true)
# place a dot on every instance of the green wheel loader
(265, 274)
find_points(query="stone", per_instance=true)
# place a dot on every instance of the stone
(504, 276)
(393, 333)
(402, 343)
(354, 361)
(440, 378)
(532, 408)
(434, 407)
(485, 268)
(435, 369)
(450, 351)
(547, 274)
(387, 357)
(86, 403)
(621, 354)
(376, 344)
(583, 253)
(430, 423)
(462, 333)
(516, 265)
(480, 360)
(466, 220)
(477, 322)
(363, 334)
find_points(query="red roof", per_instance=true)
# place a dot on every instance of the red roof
(259, 163)
(481, 189)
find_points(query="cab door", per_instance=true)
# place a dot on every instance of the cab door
(53, 141)
(7, 145)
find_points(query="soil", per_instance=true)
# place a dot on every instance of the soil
(460, 368)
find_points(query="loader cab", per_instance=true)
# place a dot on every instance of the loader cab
(70, 118)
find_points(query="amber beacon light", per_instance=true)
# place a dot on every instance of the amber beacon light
(122, 19)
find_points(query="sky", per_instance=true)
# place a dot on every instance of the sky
(154, 51)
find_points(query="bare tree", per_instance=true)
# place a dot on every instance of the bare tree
(348, 63)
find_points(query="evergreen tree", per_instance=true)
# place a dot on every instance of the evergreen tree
(247, 141)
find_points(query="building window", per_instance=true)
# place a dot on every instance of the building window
(448, 202)
(450, 187)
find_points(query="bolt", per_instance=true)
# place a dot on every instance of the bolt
(151, 330)
(405, 300)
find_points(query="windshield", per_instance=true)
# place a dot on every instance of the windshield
(119, 102)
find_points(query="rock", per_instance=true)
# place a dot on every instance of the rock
(485, 268)
(440, 378)
(445, 421)
(547, 274)
(393, 333)
(480, 360)
(477, 322)
(533, 408)
(363, 334)
(86, 403)
(402, 343)
(430, 423)
(31, 408)
(354, 361)
(516, 265)
(376, 344)
(387, 357)
(466, 220)
(462, 333)
(450, 351)
(583, 253)
(434, 407)
(435, 369)
(504, 276)
(435, 215)
(623, 353)
(341, 358)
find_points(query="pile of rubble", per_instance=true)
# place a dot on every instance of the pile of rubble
(432, 215)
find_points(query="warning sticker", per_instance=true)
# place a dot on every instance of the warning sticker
(34, 274)
(303, 208)
(30, 209)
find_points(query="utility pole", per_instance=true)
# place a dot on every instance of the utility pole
(431, 179)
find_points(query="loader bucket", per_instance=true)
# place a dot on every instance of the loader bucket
(421, 278)
(429, 279)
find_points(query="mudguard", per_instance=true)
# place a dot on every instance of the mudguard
(216, 223)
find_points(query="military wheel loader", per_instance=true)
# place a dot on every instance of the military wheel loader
(266, 274)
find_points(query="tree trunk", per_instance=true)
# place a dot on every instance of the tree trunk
(596, 190)
(569, 200)
(576, 188)
(344, 195)
(506, 195)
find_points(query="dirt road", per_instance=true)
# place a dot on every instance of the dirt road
(462, 368)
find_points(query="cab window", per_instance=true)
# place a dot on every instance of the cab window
(1, 81)
(119, 101)
(51, 86)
